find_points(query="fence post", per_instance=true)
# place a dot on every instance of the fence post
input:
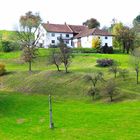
(50, 111)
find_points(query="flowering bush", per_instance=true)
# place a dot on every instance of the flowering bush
(105, 62)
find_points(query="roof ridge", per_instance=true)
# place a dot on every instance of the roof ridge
(69, 27)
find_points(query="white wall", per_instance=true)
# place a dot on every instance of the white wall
(42, 35)
(45, 38)
(57, 35)
(75, 43)
(108, 41)
(86, 42)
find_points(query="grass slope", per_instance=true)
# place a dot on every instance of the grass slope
(24, 110)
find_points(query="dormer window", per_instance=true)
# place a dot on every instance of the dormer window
(53, 34)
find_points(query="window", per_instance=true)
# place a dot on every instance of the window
(53, 41)
(53, 34)
(67, 41)
(67, 35)
(106, 37)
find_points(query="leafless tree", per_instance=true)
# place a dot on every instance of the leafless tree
(93, 79)
(66, 54)
(55, 58)
(135, 61)
(114, 69)
(110, 89)
(123, 73)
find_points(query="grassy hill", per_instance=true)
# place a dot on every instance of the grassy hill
(24, 101)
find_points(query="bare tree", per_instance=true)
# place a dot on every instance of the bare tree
(93, 79)
(25, 34)
(135, 61)
(66, 54)
(114, 69)
(123, 73)
(55, 58)
(110, 89)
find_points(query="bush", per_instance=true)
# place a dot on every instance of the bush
(106, 49)
(7, 46)
(84, 50)
(123, 73)
(105, 62)
(2, 69)
(52, 46)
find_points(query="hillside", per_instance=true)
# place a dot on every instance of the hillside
(24, 101)
(45, 79)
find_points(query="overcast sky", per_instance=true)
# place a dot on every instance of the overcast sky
(70, 11)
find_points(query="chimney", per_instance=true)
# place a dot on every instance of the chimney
(65, 23)
(47, 22)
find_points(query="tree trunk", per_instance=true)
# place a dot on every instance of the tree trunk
(115, 74)
(124, 46)
(137, 74)
(57, 67)
(111, 98)
(30, 66)
(66, 68)
(127, 50)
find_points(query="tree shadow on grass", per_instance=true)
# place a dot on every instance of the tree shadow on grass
(13, 104)
(7, 104)
(9, 73)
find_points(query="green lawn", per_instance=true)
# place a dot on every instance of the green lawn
(26, 117)
(24, 101)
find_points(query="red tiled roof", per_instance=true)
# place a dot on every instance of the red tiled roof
(77, 28)
(63, 28)
(59, 28)
(94, 31)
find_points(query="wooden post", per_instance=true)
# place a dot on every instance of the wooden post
(50, 111)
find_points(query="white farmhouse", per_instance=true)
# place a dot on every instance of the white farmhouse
(84, 38)
(49, 34)
(73, 35)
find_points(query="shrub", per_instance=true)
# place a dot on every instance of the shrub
(105, 62)
(110, 50)
(52, 46)
(106, 49)
(2, 69)
(84, 50)
(96, 42)
(110, 89)
(123, 73)
(6, 46)
(114, 69)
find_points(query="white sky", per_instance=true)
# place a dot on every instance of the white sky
(71, 11)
